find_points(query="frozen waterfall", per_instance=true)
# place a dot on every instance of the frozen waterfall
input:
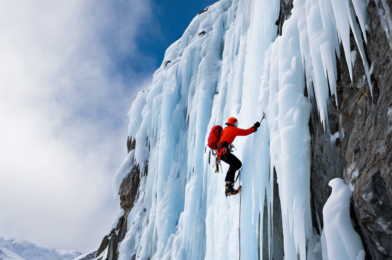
(238, 67)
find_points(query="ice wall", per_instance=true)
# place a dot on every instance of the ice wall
(230, 62)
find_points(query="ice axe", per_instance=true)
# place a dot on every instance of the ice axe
(262, 117)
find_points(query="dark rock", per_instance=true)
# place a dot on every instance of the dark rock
(89, 256)
(122, 233)
(103, 246)
(375, 210)
(145, 169)
(275, 228)
(131, 144)
(203, 11)
(284, 13)
(202, 33)
(113, 246)
(122, 226)
(128, 194)
(277, 225)
(128, 188)
(120, 222)
(265, 251)
(112, 232)
(167, 63)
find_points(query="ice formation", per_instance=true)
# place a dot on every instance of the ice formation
(238, 67)
(342, 242)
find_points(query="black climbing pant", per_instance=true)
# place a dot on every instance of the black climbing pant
(235, 164)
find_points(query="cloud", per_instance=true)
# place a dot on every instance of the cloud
(65, 89)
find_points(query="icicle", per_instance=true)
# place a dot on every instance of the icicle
(358, 39)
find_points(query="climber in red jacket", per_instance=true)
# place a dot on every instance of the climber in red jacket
(227, 137)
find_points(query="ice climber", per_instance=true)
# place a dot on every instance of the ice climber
(227, 136)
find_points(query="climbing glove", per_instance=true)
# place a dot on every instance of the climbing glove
(256, 125)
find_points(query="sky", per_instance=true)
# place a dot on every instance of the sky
(69, 71)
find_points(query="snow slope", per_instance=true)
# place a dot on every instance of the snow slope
(21, 250)
(238, 67)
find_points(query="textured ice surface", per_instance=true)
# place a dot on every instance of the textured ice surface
(239, 68)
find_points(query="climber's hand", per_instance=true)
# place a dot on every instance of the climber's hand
(256, 125)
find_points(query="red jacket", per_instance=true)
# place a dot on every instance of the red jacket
(230, 133)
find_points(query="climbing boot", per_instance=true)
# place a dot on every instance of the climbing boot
(229, 190)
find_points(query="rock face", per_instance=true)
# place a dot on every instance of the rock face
(365, 124)
(128, 193)
(128, 189)
(131, 144)
(275, 248)
(362, 155)
(103, 246)
(326, 162)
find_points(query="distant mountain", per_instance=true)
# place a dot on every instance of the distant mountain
(21, 250)
(88, 256)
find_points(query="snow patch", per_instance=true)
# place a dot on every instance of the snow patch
(334, 137)
(341, 240)
(354, 175)
(389, 113)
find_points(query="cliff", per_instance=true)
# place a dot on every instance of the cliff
(225, 65)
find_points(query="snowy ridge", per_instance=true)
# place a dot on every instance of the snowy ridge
(237, 68)
(21, 250)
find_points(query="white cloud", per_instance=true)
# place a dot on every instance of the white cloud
(63, 107)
